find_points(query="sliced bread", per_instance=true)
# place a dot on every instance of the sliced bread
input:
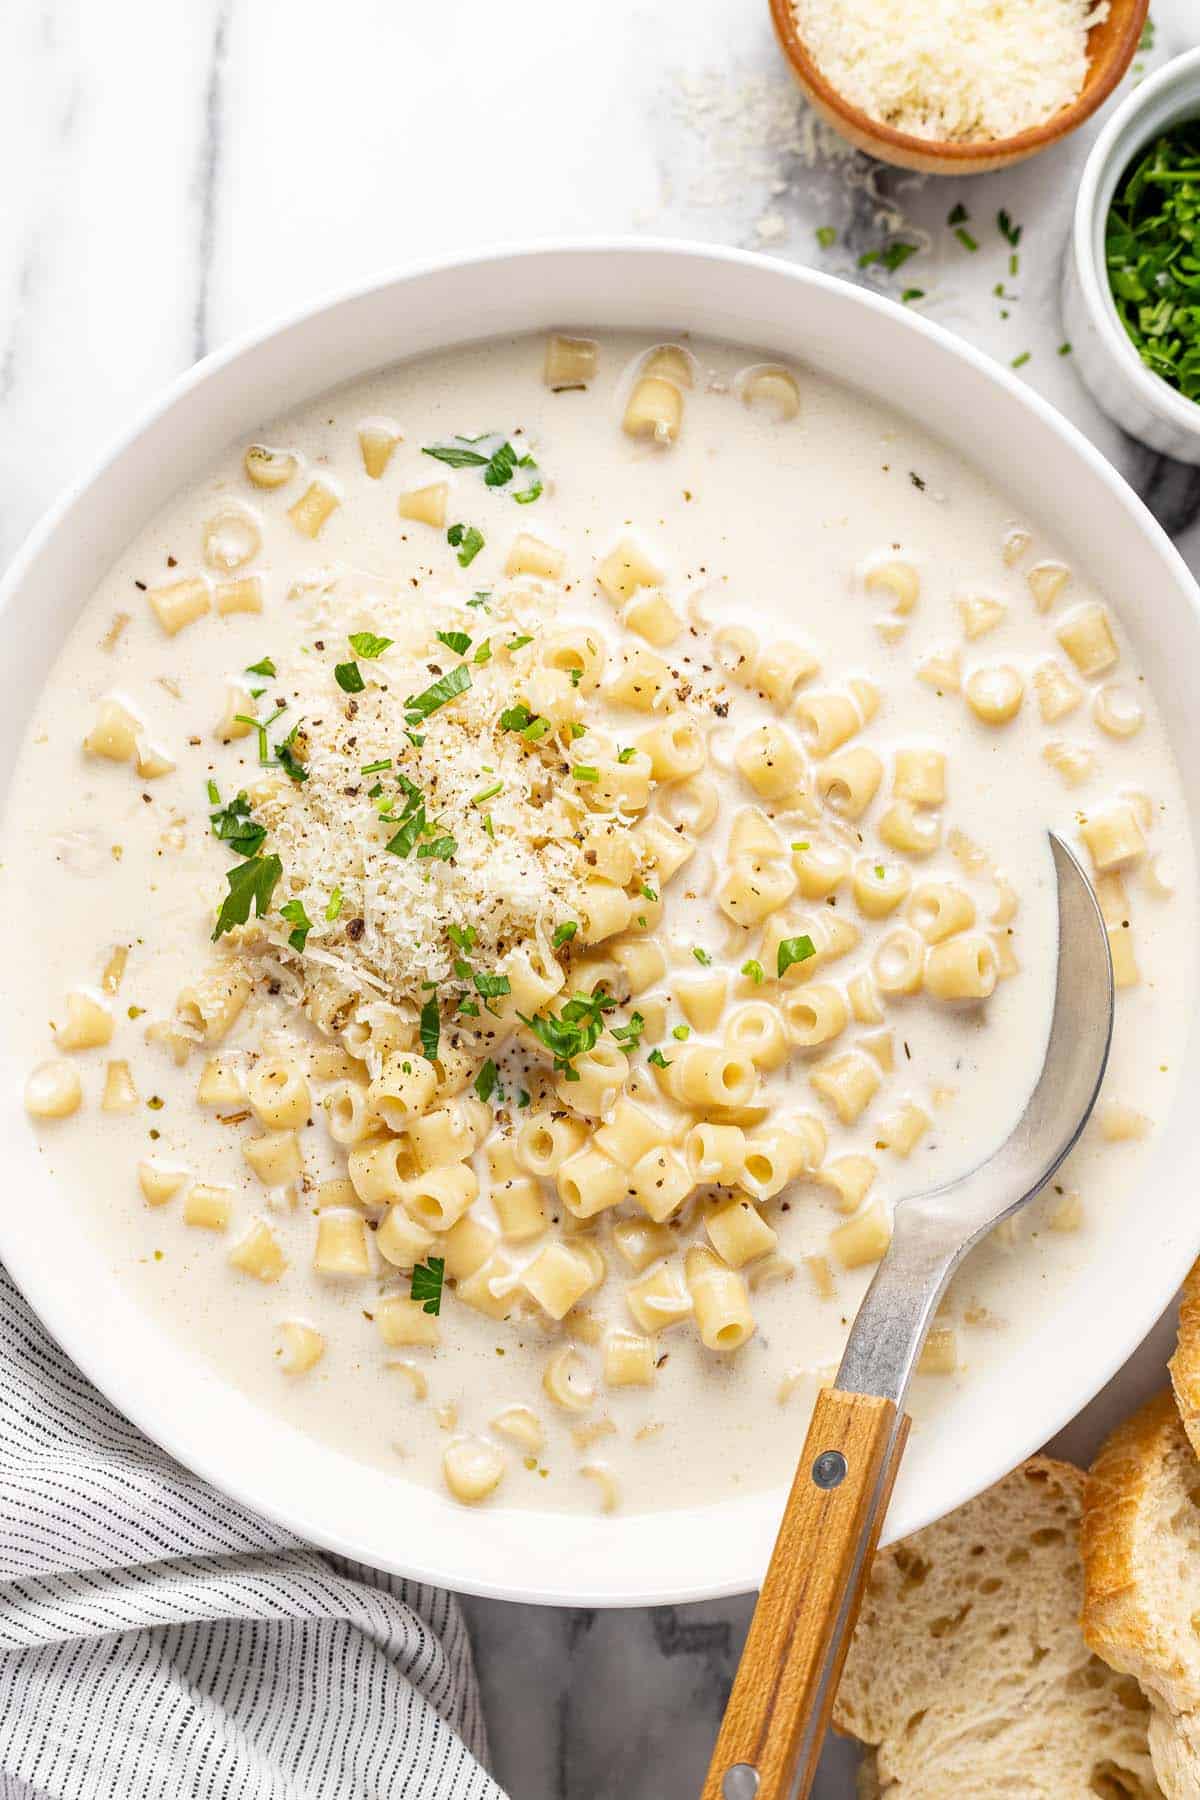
(1185, 1364)
(1141, 1551)
(968, 1669)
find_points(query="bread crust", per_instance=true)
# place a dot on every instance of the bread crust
(1185, 1364)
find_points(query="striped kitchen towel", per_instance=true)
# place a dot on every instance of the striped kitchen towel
(158, 1642)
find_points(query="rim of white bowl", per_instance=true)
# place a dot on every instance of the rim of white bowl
(1162, 100)
(165, 1424)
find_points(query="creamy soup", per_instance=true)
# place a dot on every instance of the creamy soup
(523, 864)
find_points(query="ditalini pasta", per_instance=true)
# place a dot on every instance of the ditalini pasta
(521, 895)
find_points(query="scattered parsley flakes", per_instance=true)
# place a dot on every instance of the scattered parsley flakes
(1007, 229)
(966, 240)
(575, 1030)
(1018, 362)
(681, 1032)
(629, 1036)
(455, 457)
(491, 987)
(627, 755)
(486, 1081)
(292, 767)
(462, 935)
(911, 294)
(251, 883)
(334, 909)
(753, 971)
(385, 762)
(234, 826)
(1064, 349)
(411, 827)
(426, 1285)
(564, 933)
(793, 950)
(958, 215)
(368, 646)
(458, 641)
(827, 236)
(484, 653)
(293, 911)
(519, 643)
(468, 540)
(487, 793)
(263, 667)
(348, 676)
(419, 706)
(431, 1029)
(702, 957)
(658, 1059)
(585, 772)
(442, 848)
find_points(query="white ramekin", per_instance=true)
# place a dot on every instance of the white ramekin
(1119, 381)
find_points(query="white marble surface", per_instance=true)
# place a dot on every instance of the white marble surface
(178, 172)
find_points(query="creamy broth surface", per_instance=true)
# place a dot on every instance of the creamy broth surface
(910, 592)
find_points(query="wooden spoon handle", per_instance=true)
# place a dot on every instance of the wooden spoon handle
(792, 1659)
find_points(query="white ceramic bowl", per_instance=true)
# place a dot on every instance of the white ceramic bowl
(1120, 383)
(1052, 475)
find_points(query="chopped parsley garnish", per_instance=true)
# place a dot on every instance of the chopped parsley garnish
(368, 646)
(480, 599)
(576, 676)
(1007, 229)
(447, 687)
(965, 239)
(803, 844)
(462, 935)
(515, 718)
(753, 971)
(627, 755)
(629, 1036)
(487, 1080)
(681, 1032)
(456, 457)
(334, 909)
(251, 883)
(519, 643)
(411, 827)
(793, 950)
(576, 1029)
(528, 495)
(235, 827)
(265, 667)
(214, 794)
(585, 772)
(293, 911)
(293, 768)
(827, 236)
(658, 1059)
(958, 215)
(879, 872)
(564, 933)
(523, 1098)
(259, 727)
(1018, 362)
(648, 893)
(1064, 349)
(385, 762)
(501, 463)
(442, 848)
(892, 258)
(426, 1285)
(911, 294)
(702, 957)
(484, 653)
(431, 1029)
(348, 676)
(490, 987)
(458, 641)
(487, 793)
(468, 541)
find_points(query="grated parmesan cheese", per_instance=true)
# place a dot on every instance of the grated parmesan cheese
(955, 70)
(507, 885)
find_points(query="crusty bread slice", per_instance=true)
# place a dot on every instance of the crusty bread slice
(1141, 1554)
(1185, 1364)
(969, 1671)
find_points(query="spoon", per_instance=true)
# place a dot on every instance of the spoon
(783, 1692)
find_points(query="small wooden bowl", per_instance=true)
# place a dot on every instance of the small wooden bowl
(1111, 46)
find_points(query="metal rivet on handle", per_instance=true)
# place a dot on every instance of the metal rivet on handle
(740, 1783)
(829, 1470)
